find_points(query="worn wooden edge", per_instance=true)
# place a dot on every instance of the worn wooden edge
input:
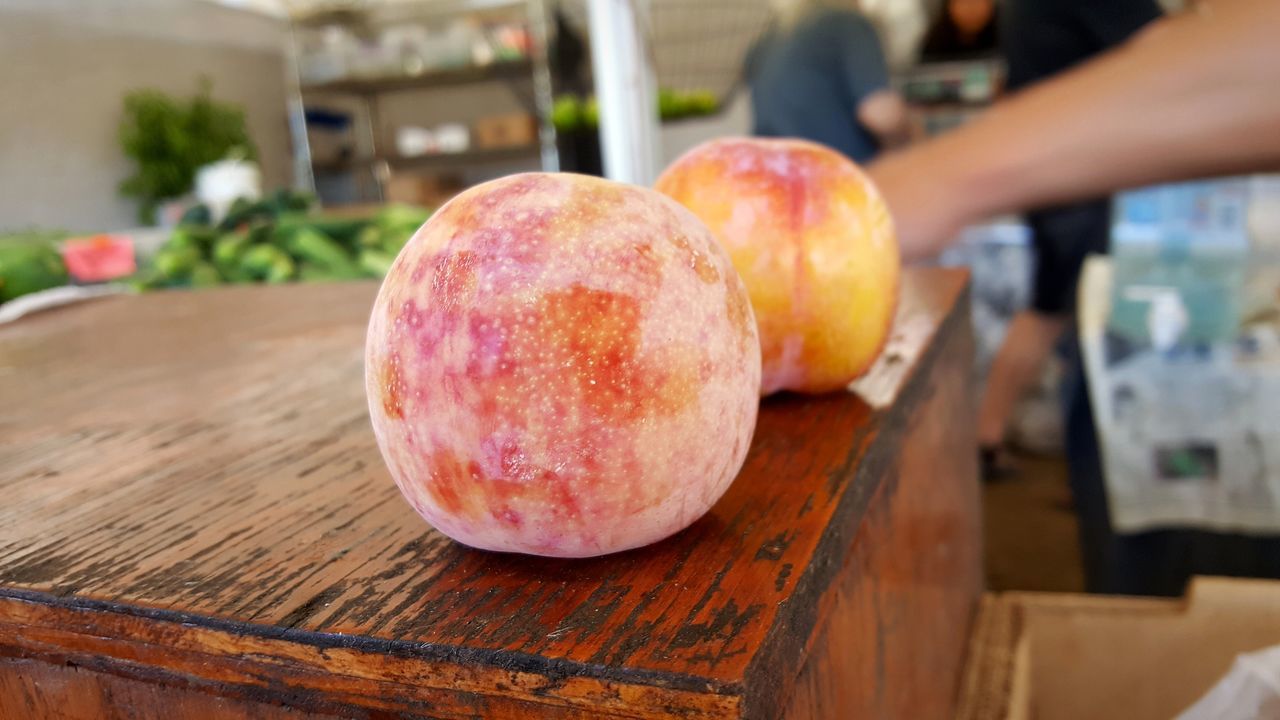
(796, 625)
(303, 668)
(987, 682)
(994, 682)
(297, 667)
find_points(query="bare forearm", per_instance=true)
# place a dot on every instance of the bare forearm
(1193, 96)
(885, 114)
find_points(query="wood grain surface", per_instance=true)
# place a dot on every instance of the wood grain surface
(34, 689)
(192, 497)
(897, 618)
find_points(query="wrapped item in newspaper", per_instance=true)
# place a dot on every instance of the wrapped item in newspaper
(1181, 346)
(1190, 434)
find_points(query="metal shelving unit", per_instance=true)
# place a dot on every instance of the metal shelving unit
(505, 70)
(435, 160)
(528, 78)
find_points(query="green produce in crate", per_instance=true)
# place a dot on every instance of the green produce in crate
(261, 233)
(277, 239)
(196, 215)
(146, 279)
(205, 235)
(670, 104)
(239, 210)
(402, 217)
(176, 263)
(370, 237)
(395, 243)
(228, 249)
(566, 113)
(191, 236)
(27, 267)
(312, 273)
(179, 241)
(314, 248)
(701, 102)
(205, 274)
(343, 230)
(285, 200)
(376, 262)
(569, 114)
(398, 223)
(244, 211)
(267, 262)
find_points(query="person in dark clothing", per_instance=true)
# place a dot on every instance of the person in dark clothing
(824, 79)
(966, 29)
(1190, 97)
(1039, 39)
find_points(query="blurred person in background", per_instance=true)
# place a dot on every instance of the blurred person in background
(1192, 96)
(822, 76)
(965, 29)
(1039, 39)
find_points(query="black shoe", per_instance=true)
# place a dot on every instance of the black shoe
(995, 464)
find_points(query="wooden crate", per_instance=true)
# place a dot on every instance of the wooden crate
(1058, 656)
(196, 523)
(502, 131)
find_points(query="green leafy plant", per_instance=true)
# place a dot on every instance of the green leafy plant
(169, 139)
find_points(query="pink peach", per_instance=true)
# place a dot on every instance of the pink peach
(814, 244)
(562, 365)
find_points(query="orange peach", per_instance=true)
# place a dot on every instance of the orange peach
(814, 244)
(562, 365)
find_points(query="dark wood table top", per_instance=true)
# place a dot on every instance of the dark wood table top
(192, 476)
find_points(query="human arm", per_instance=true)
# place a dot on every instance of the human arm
(878, 108)
(1194, 95)
(884, 113)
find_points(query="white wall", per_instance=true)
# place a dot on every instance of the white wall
(66, 68)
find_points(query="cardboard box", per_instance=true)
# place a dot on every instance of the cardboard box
(500, 131)
(423, 190)
(1058, 656)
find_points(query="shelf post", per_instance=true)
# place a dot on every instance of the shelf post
(542, 90)
(625, 89)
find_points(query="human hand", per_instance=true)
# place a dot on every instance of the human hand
(928, 210)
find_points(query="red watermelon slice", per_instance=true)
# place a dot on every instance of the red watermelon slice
(99, 258)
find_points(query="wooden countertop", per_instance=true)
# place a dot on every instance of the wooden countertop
(193, 499)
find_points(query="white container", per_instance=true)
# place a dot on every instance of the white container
(453, 138)
(413, 141)
(220, 184)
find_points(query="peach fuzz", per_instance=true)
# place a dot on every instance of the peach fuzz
(562, 365)
(814, 244)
